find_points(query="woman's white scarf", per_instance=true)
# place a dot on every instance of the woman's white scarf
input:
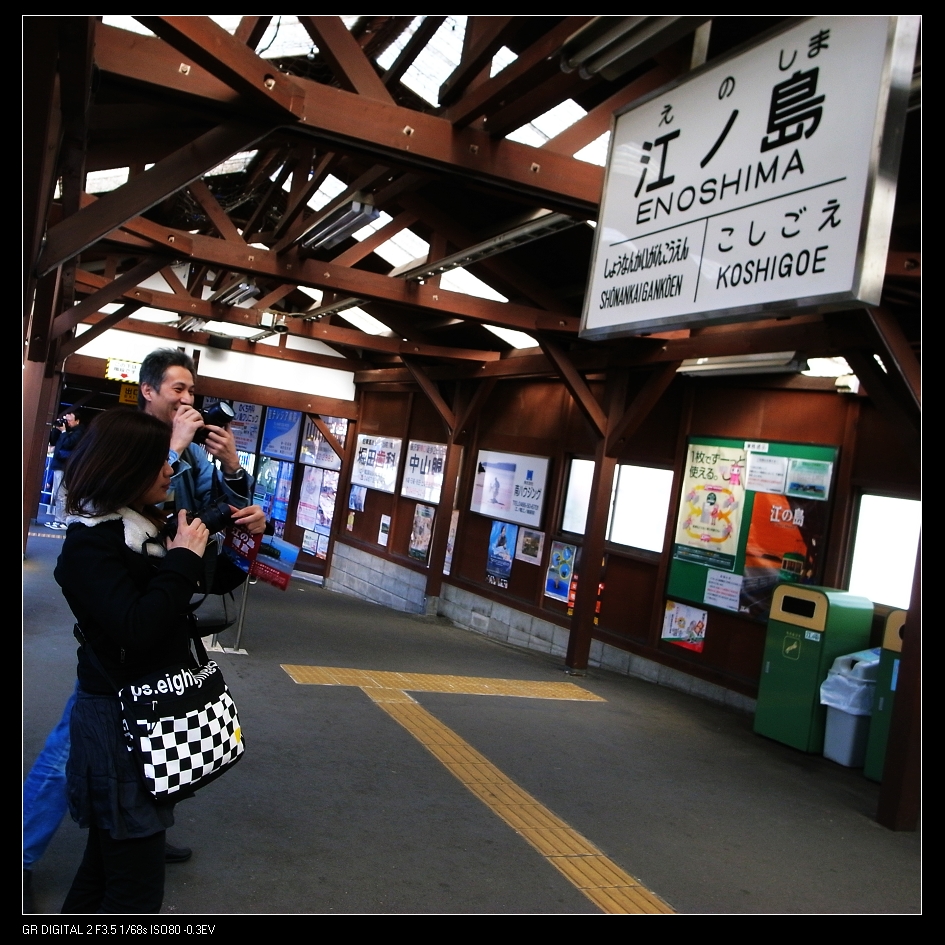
(138, 530)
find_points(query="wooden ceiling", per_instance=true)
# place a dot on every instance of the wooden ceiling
(192, 95)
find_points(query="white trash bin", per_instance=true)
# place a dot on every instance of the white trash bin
(848, 694)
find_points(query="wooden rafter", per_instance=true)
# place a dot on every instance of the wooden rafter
(251, 30)
(491, 38)
(341, 51)
(77, 232)
(402, 136)
(221, 222)
(576, 385)
(431, 392)
(654, 388)
(414, 46)
(70, 345)
(229, 60)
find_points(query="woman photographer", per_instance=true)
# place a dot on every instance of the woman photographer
(129, 589)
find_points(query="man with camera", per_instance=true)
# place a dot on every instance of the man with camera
(64, 437)
(166, 391)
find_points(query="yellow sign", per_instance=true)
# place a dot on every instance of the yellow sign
(129, 394)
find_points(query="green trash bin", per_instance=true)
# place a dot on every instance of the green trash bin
(885, 695)
(808, 628)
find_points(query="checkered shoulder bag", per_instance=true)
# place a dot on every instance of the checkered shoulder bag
(182, 726)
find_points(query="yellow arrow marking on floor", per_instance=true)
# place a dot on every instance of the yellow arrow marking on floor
(608, 886)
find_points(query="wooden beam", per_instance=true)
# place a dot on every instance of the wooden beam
(896, 352)
(298, 204)
(576, 385)
(230, 60)
(532, 67)
(432, 394)
(648, 397)
(471, 412)
(126, 282)
(487, 44)
(401, 136)
(251, 30)
(900, 263)
(221, 222)
(77, 232)
(347, 60)
(175, 285)
(71, 345)
(415, 45)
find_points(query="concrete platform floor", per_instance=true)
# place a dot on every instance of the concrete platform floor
(337, 808)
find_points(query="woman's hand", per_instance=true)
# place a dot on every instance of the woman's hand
(190, 535)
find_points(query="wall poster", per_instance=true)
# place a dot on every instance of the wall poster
(685, 626)
(530, 545)
(510, 486)
(376, 460)
(281, 433)
(499, 557)
(560, 571)
(423, 471)
(751, 515)
(245, 425)
(421, 532)
(315, 450)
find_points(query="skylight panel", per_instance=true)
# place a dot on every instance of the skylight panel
(233, 165)
(402, 248)
(437, 60)
(596, 151)
(517, 339)
(126, 23)
(387, 58)
(504, 57)
(549, 124)
(367, 323)
(459, 280)
(329, 189)
(100, 182)
(382, 220)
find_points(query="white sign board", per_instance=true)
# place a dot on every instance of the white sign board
(423, 471)
(764, 181)
(510, 487)
(376, 460)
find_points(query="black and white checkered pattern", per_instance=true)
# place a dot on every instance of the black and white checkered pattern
(178, 753)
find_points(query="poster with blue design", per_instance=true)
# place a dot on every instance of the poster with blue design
(281, 433)
(501, 548)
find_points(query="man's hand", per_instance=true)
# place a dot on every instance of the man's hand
(251, 519)
(221, 445)
(187, 421)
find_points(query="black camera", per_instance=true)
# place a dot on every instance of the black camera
(219, 415)
(216, 516)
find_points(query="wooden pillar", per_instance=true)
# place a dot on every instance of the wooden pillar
(591, 570)
(444, 512)
(900, 793)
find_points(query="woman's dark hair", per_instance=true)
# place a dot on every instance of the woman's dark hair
(116, 461)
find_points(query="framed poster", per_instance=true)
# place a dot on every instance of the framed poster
(423, 471)
(751, 515)
(760, 182)
(376, 460)
(510, 486)
(281, 433)
(530, 545)
(245, 425)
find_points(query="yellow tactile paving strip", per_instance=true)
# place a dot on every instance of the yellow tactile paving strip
(609, 887)
(425, 682)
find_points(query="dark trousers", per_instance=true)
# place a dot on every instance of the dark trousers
(118, 876)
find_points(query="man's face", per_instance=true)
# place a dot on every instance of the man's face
(176, 390)
(70, 419)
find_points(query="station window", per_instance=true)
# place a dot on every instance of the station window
(577, 496)
(639, 506)
(885, 548)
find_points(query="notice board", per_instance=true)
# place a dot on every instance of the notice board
(751, 515)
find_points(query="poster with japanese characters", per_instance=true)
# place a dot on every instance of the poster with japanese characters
(751, 515)
(759, 182)
(423, 471)
(685, 626)
(281, 433)
(275, 561)
(709, 520)
(315, 450)
(245, 425)
(376, 460)
(510, 486)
